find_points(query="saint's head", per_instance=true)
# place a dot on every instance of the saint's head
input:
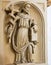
(25, 8)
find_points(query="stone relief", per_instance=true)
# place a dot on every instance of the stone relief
(19, 31)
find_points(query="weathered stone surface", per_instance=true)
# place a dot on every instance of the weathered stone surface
(37, 12)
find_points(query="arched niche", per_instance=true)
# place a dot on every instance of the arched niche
(37, 14)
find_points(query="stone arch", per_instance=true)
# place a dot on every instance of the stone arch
(34, 5)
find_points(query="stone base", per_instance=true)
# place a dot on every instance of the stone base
(22, 64)
(29, 64)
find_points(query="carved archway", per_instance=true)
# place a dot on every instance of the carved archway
(41, 26)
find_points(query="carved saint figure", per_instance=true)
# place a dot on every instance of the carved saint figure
(21, 26)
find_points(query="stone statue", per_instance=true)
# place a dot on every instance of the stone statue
(18, 31)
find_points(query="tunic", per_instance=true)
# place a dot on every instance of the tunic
(22, 32)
